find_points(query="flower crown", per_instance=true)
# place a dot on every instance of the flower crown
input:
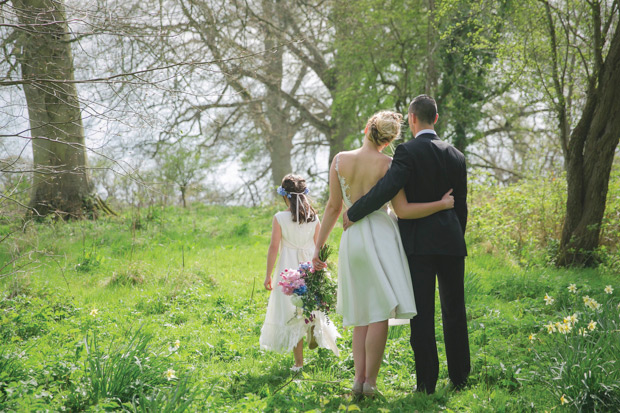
(284, 192)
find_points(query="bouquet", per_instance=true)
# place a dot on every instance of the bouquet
(311, 290)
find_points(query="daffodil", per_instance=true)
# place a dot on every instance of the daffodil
(170, 374)
(94, 312)
(592, 325)
(550, 328)
(532, 337)
(572, 288)
(549, 300)
(608, 289)
(177, 343)
(571, 319)
(583, 331)
(564, 328)
(563, 400)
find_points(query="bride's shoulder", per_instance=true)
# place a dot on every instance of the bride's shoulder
(337, 161)
(346, 155)
(385, 158)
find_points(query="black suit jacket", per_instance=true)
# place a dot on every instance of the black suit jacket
(427, 168)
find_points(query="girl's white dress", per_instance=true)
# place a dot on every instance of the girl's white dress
(284, 323)
(374, 282)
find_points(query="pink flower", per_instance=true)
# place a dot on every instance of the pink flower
(291, 280)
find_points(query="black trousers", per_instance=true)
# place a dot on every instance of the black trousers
(449, 272)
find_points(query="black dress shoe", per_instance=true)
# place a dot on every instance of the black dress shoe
(460, 386)
(419, 389)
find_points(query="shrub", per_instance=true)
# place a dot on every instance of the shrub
(525, 219)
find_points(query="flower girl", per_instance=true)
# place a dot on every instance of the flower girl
(294, 232)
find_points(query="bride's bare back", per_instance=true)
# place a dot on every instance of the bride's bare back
(361, 170)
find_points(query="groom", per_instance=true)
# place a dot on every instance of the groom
(427, 168)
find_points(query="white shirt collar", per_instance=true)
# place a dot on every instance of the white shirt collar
(423, 131)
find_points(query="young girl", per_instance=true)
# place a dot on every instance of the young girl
(293, 233)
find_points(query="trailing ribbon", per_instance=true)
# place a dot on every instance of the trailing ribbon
(299, 194)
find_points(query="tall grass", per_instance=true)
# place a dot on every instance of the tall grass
(192, 278)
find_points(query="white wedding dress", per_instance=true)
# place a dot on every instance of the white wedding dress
(284, 323)
(374, 283)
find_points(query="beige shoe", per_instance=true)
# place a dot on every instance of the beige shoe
(369, 391)
(358, 388)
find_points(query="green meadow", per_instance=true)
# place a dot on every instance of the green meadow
(161, 310)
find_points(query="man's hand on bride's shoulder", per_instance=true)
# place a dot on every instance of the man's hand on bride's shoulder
(448, 200)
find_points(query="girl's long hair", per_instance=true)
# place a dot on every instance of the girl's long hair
(295, 186)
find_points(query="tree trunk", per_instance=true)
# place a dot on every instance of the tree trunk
(590, 157)
(60, 184)
(183, 189)
(280, 133)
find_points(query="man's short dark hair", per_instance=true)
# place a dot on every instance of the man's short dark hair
(424, 108)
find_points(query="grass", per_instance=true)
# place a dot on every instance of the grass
(166, 316)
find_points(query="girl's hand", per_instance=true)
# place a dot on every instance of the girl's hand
(448, 200)
(268, 283)
(316, 262)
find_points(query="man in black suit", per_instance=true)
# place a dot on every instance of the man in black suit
(427, 168)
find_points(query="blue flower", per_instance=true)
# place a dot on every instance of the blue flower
(282, 191)
(301, 290)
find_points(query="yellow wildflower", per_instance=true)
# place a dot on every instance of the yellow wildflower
(563, 400)
(572, 288)
(170, 374)
(593, 304)
(608, 289)
(592, 325)
(564, 328)
(549, 300)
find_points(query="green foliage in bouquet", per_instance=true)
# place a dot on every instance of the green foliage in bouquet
(321, 288)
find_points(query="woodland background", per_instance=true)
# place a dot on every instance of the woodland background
(141, 144)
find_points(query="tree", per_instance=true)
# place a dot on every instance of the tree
(571, 56)
(60, 179)
(183, 167)
(590, 148)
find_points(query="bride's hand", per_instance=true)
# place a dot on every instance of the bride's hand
(448, 200)
(316, 262)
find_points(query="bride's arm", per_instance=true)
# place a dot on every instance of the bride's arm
(416, 210)
(330, 216)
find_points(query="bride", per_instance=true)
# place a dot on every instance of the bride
(374, 283)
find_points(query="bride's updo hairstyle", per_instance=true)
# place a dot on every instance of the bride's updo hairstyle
(295, 189)
(383, 127)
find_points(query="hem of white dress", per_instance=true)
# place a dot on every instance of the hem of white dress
(281, 339)
(378, 319)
